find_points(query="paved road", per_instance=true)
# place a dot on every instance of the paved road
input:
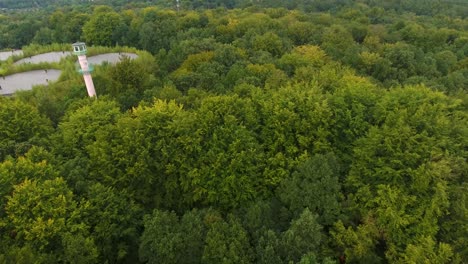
(26, 80)
(45, 57)
(4, 55)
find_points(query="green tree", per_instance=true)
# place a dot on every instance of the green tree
(21, 255)
(338, 43)
(100, 28)
(213, 165)
(57, 21)
(405, 60)
(149, 134)
(315, 186)
(261, 216)
(398, 180)
(353, 107)
(359, 245)
(227, 242)
(71, 29)
(129, 81)
(425, 250)
(454, 225)
(161, 242)
(269, 42)
(168, 239)
(302, 32)
(303, 237)
(79, 249)
(113, 220)
(303, 56)
(21, 127)
(268, 249)
(197, 71)
(296, 123)
(227, 171)
(80, 127)
(445, 61)
(43, 36)
(194, 232)
(158, 30)
(16, 171)
(44, 217)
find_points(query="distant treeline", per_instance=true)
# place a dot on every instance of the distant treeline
(391, 48)
(419, 7)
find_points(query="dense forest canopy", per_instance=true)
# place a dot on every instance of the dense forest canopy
(420, 7)
(245, 132)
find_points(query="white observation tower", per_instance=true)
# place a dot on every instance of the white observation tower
(80, 50)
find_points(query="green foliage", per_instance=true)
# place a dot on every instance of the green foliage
(353, 108)
(225, 173)
(80, 127)
(296, 124)
(338, 42)
(227, 242)
(133, 155)
(303, 237)
(129, 81)
(168, 239)
(21, 127)
(21, 255)
(50, 226)
(262, 216)
(114, 221)
(397, 180)
(425, 250)
(79, 249)
(360, 244)
(160, 243)
(315, 186)
(157, 32)
(303, 56)
(453, 225)
(13, 172)
(268, 248)
(99, 30)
